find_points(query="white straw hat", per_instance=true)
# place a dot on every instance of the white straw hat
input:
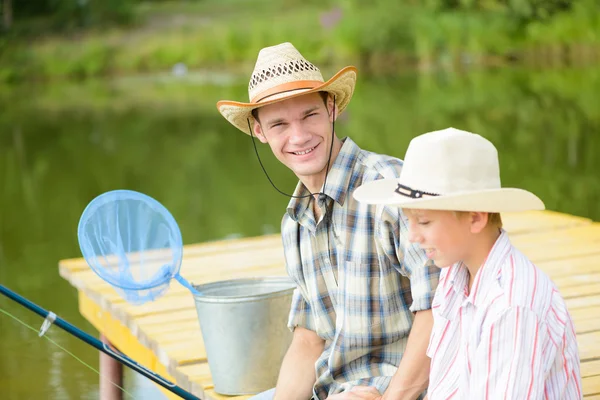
(450, 170)
(281, 73)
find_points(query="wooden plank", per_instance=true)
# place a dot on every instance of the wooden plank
(166, 334)
(578, 278)
(587, 325)
(230, 246)
(591, 385)
(589, 345)
(583, 302)
(581, 290)
(525, 222)
(192, 268)
(587, 233)
(122, 338)
(590, 368)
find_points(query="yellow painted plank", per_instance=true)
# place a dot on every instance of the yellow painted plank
(581, 290)
(122, 338)
(590, 368)
(591, 385)
(587, 325)
(592, 397)
(212, 395)
(585, 313)
(242, 245)
(549, 252)
(589, 345)
(586, 233)
(579, 302)
(177, 354)
(517, 223)
(196, 268)
(167, 332)
(577, 278)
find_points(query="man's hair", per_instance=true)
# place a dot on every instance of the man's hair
(324, 96)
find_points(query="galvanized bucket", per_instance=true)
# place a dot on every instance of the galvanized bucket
(244, 326)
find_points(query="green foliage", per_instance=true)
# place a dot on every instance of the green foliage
(380, 36)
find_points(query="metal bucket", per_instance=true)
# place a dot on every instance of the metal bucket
(244, 326)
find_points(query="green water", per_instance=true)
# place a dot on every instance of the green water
(62, 145)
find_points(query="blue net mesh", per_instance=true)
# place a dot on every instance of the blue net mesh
(132, 242)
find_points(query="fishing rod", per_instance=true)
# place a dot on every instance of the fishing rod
(51, 318)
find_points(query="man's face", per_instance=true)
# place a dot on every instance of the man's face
(298, 131)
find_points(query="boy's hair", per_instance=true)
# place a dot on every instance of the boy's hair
(324, 96)
(494, 219)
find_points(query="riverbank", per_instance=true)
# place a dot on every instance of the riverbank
(381, 38)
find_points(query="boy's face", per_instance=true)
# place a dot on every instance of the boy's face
(298, 131)
(444, 235)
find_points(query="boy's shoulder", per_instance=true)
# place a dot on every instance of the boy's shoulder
(527, 286)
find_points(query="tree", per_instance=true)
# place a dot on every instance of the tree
(7, 14)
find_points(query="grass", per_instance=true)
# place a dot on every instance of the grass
(379, 37)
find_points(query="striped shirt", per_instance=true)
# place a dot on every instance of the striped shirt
(358, 279)
(511, 337)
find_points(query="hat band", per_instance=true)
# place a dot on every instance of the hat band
(412, 193)
(285, 87)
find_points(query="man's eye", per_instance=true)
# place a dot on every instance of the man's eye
(311, 114)
(423, 222)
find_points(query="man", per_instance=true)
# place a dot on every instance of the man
(361, 312)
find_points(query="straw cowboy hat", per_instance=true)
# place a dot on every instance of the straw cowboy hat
(450, 170)
(281, 73)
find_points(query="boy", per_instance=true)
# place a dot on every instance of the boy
(501, 328)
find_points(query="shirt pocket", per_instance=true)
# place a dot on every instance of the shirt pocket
(371, 299)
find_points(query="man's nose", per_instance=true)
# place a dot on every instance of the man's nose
(298, 135)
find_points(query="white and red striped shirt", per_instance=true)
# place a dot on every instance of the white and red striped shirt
(511, 337)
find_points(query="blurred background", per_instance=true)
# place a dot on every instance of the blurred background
(98, 95)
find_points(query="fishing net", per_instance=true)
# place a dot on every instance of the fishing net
(132, 242)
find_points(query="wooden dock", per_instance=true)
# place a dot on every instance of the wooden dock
(165, 337)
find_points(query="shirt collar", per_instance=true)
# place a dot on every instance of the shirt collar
(337, 184)
(487, 280)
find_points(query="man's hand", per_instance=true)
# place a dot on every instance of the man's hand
(358, 393)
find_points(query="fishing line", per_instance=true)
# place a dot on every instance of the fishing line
(328, 210)
(62, 348)
(328, 160)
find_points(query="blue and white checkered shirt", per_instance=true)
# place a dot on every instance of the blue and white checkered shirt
(359, 280)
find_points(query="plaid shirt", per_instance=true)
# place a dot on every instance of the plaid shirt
(358, 278)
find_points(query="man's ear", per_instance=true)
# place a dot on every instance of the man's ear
(258, 132)
(478, 221)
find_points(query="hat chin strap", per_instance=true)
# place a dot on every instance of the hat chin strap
(322, 194)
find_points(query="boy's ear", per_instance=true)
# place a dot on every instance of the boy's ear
(478, 221)
(258, 132)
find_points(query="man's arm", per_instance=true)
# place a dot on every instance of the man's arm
(297, 375)
(413, 372)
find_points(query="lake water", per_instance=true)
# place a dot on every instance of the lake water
(62, 145)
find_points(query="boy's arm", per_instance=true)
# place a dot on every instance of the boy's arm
(412, 376)
(508, 359)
